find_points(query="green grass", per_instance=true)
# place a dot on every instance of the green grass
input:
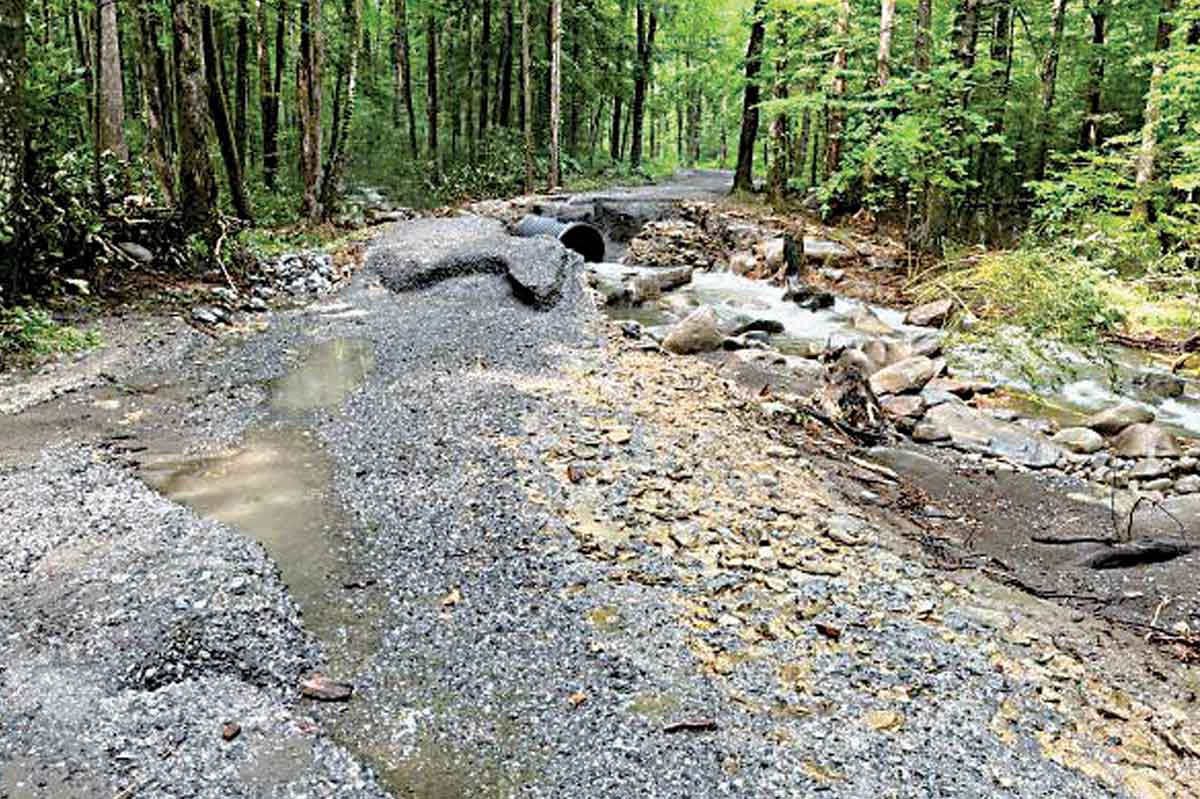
(30, 332)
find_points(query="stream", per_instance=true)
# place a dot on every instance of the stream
(1066, 386)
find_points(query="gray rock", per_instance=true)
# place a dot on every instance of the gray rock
(1159, 484)
(909, 406)
(1146, 441)
(1114, 420)
(208, 316)
(1150, 468)
(1079, 439)
(1188, 485)
(911, 374)
(974, 431)
(1158, 385)
(866, 320)
(699, 332)
(931, 314)
(136, 251)
(825, 251)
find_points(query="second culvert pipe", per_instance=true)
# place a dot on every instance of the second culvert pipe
(578, 236)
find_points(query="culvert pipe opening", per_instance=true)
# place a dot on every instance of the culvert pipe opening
(579, 237)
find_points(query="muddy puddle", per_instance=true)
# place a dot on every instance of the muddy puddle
(276, 484)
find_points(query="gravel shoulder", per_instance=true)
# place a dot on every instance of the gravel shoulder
(553, 564)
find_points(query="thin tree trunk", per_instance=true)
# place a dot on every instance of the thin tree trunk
(242, 99)
(467, 104)
(308, 106)
(220, 116)
(883, 60)
(112, 89)
(13, 66)
(83, 53)
(837, 91)
(431, 88)
(695, 111)
(805, 134)
(614, 136)
(967, 33)
(576, 100)
(1144, 208)
(526, 97)
(270, 100)
(645, 52)
(922, 43)
(485, 65)
(335, 170)
(154, 105)
(506, 67)
(679, 132)
(197, 183)
(777, 171)
(743, 177)
(402, 57)
(1049, 83)
(553, 177)
(1089, 132)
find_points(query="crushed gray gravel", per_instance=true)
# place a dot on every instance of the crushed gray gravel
(490, 656)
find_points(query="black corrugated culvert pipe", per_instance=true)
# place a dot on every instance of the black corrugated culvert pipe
(578, 236)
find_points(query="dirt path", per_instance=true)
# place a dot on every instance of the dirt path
(551, 564)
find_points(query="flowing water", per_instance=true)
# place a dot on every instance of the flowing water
(1067, 386)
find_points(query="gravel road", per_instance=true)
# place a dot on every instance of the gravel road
(551, 565)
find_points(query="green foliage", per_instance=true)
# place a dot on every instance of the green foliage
(27, 331)
(1028, 305)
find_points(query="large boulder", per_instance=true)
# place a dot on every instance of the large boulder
(866, 320)
(931, 314)
(699, 332)
(1146, 441)
(910, 374)
(1079, 439)
(973, 431)
(1113, 420)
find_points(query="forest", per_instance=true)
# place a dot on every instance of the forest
(1066, 128)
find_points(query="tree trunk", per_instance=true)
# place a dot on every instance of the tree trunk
(220, 116)
(335, 169)
(467, 103)
(777, 172)
(485, 65)
(645, 52)
(922, 60)
(526, 97)
(402, 57)
(242, 98)
(887, 23)
(308, 107)
(966, 25)
(1144, 208)
(695, 110)
(431, 88)
(1049, 83)
(1089, 132)
(743, 176)
(614, 136)
(837, 90)
(83, 53)
(112, 90)
(553, 177)
(576, 100)
(13, 66)
(197, 184)
(506, 66)
(154, 105)
(271, 89)
(802, 145)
